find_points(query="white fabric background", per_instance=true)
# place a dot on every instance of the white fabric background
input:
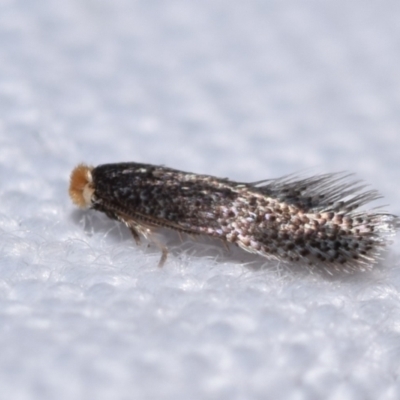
(240, 89)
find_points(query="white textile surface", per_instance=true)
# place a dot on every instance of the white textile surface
(242, 89)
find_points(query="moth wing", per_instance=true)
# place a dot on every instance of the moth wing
(320, 192)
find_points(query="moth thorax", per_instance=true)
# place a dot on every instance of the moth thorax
(81, 186)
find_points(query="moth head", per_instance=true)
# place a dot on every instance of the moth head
(81, 187)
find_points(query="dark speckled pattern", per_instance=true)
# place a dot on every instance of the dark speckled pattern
(315, 220)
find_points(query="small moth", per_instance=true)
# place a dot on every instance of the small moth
(317, 220)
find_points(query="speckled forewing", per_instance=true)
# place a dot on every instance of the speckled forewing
(314, 219)
(165, 196)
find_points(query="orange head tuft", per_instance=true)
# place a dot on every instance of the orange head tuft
(80, 186)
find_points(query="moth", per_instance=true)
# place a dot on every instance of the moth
(315, 220)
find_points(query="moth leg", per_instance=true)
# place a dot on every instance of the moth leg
(138, 228)
(145, 231)
(164, 255)
(226, 245)
(135, 235)
(163, 248)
